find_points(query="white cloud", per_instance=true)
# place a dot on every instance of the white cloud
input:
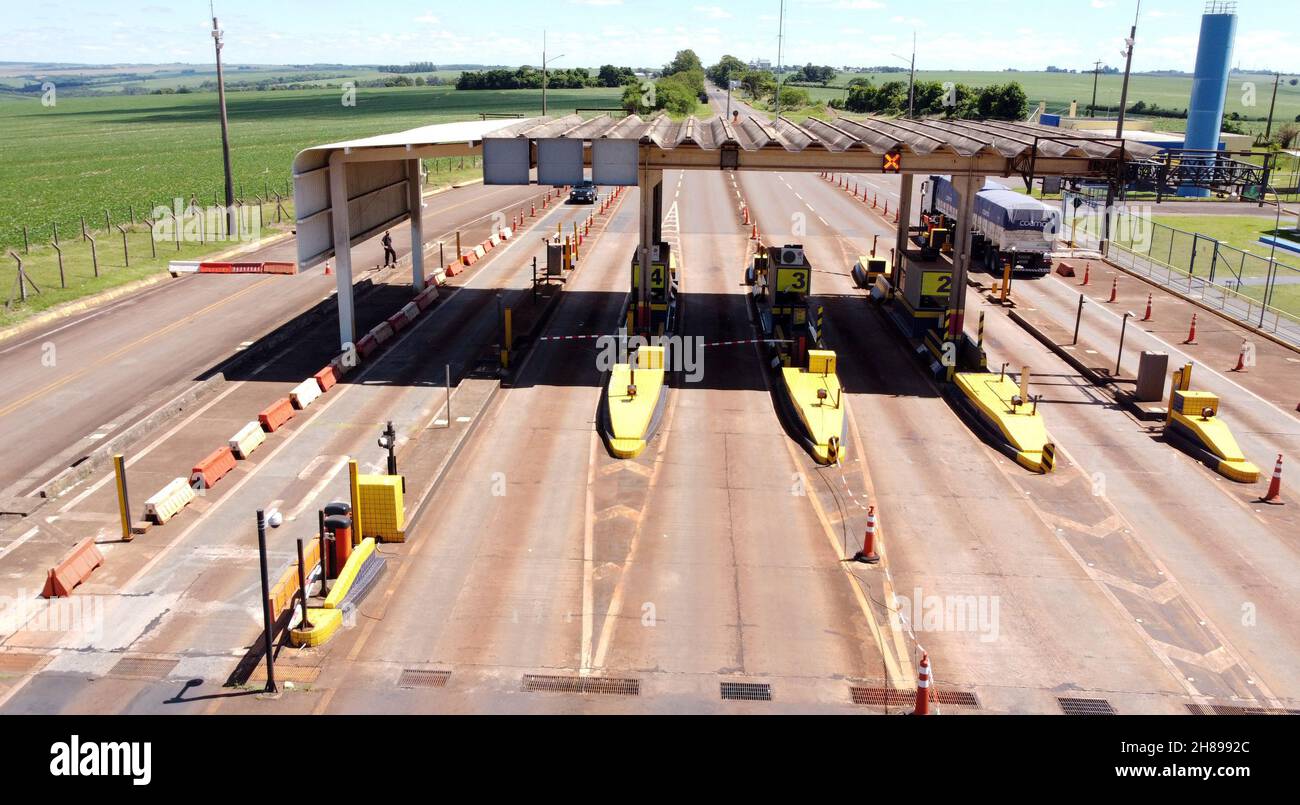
(713, 12)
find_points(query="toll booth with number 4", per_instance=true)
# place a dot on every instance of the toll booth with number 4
(663, 287)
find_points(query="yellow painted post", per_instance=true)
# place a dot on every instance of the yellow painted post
(354, 488)
(1175, 384)
(508, 340)
(576, 241)
(1024, 383)
(1006, 282)
(457, 245)
(123, 504)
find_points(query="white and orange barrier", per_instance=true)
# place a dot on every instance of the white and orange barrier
(249, 438)
(305, 393)
(166, 502)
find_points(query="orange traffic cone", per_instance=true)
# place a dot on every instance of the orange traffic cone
(923, 688)
(895, 215)
(1114, 289)
(868, 555)
(1147, 315)
(1191, 334)
(328, 271)
(1274, 495)
(1241, 359)
(886, 208)
(1087, 274)
(753, 235)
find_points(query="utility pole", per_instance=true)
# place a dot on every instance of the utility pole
(911, 84)
(1119, 127)
(1268, 133)
(1096, 73)
(1128, 69)
(231, 214)
(780, 41)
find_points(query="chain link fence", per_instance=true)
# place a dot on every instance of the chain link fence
(1261, 290)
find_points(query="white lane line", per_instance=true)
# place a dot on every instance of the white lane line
(318, 488)
(33, 531)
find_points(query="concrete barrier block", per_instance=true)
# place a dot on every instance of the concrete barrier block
(305, 393)
(249, 438)
(166, 502)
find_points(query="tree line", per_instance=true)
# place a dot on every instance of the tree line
(931, 98)
(527, 77)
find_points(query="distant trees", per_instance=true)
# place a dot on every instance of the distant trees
(531, 78)
(413, 67)
(611, 76)
(679, 89)
(684, 62)
(728, 68)
(812, 74)
(995, 102)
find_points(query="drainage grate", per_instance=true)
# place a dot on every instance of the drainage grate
(882, 697)
(537, 683)
(143, 667)
(422, 678)
(1085, 707)
(298, 674)
(747, 691)
(957, 698)
(1237, 710)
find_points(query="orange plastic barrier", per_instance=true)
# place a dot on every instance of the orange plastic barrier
(367, 345)
(327, 378)
(1065, 269)
(279, 268)
(398, 322)
(469, 259)
(213, 468)
(276, 414)
(73, 569)
(214, 268)
(488, 245)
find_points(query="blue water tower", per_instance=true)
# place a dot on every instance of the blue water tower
(1210, 84)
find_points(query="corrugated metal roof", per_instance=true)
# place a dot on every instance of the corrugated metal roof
(875, 135)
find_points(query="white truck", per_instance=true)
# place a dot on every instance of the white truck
(1008, 226)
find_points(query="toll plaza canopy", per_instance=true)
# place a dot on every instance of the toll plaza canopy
(347, 192)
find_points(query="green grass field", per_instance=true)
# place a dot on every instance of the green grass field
(89, 154)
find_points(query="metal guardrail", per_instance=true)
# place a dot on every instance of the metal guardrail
(1213, 295)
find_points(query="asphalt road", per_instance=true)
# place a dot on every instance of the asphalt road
(83, 379)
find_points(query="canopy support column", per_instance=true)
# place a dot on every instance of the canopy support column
(342, 248)
(967, 186)
(415, 200)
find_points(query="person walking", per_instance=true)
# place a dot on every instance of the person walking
(390, 254)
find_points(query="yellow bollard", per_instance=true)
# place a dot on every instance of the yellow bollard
(508, 339)
(354, 487)
(123, 504)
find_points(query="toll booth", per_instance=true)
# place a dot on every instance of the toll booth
(782, 285)
(663, 287)
(924, 289)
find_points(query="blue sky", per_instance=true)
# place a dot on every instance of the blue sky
(952, 34)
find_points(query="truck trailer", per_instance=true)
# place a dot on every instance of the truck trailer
(1007, 226)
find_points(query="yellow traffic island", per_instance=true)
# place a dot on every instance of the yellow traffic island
(1008, 417)
(816, 400)
(1193, 425)
(353, 582)
(633, 403)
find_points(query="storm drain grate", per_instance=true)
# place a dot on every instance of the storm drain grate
(957, 698)
(747, 691)
(1237, 710)
(882, 697)
(423, 678)
(612, 686)
(895, 697)
(298, 674)
(1085, 707)
(143, 667)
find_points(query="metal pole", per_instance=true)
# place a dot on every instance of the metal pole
(1096, 72)
(390, 436)
(302, 586)
(1122, 328)
(266, 604)
(63, 282)
(1078, 317)
(780, 42)
(225, 130)
(1268, 132)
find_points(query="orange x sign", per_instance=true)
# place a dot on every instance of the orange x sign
(893, 163)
